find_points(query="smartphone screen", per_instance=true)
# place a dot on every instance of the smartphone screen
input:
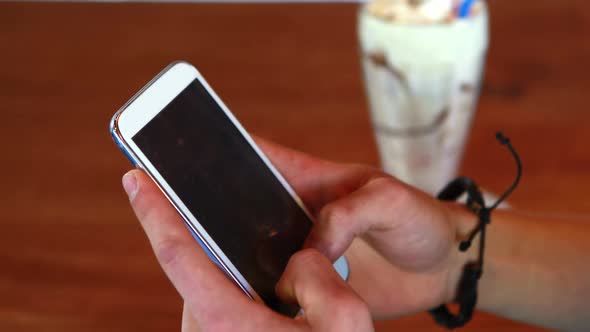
(228, 188)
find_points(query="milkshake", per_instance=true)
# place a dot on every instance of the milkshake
(423, 66)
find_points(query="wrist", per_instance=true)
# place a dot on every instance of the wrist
(464, 222)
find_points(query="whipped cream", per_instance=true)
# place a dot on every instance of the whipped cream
(413, 11)
(403, 44)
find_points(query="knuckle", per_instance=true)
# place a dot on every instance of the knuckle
(168, 251)
(394, 189)
(336, 214)
(366, 171)
(386, 183)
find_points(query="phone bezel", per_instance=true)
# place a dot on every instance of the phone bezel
(141, 109)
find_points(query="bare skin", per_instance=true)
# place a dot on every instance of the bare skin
(401, 245)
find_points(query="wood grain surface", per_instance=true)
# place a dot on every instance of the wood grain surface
(72, 255)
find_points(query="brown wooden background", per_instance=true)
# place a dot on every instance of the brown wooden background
(72, 256)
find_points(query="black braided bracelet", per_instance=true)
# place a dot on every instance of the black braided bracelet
(467, 290)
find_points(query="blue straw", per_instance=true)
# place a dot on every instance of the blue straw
(465, 8)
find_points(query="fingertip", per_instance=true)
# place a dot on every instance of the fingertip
(319, 240)
(285, 292)
(296, 272)
(137, 183)
(130, 183)
(314, 241)
(147, 201)
(285, 288)
(311, 281)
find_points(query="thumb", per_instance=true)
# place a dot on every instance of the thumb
(329, 304)
(371, 207)
(407, 227)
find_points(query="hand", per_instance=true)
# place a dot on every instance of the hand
(213, 303)
(402, 244)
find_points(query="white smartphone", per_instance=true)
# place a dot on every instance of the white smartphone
(237, 205)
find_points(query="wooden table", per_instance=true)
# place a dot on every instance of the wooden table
(73, 257)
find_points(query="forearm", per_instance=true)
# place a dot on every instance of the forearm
(536, 270)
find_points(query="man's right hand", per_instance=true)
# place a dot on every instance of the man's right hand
(401, 243)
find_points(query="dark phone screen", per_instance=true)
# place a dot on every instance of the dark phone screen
(227, 187)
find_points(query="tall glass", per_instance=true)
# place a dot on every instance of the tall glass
(422, 83)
